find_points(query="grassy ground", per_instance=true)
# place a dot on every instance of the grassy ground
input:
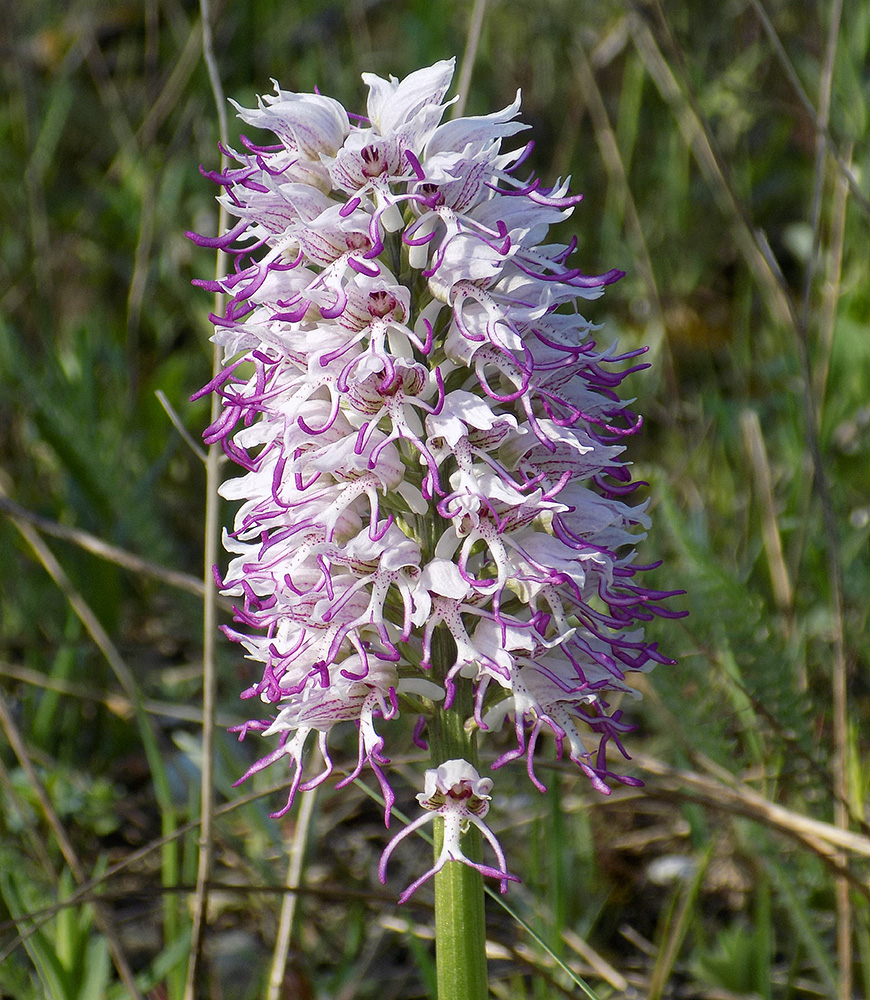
(724, 157)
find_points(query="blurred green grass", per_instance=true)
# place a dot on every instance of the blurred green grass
(748, 278)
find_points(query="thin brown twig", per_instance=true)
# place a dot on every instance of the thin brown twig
(87, 617)
(723, 791)
(86, 892)
(618, 178)
(82, 893)
(179, 426)
(111, 553)
(820, 770)
(149, 890)
(596, 962)
(793, 745)
(34, 178)
(754, 250)
(835, 572)
(178, 79)
(676, 927)
(110, 97)
(544, 969)
(117, 704)
(107, 648)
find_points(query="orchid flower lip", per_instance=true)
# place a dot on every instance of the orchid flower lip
(455, 792)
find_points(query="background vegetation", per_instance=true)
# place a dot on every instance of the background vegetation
(724, 152)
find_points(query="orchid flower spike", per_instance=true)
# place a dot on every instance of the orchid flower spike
(430, 447)
(455, 792)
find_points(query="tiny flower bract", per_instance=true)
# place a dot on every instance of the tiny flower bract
(429, 438)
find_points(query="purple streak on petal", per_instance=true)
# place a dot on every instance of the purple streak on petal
(219, 242)
(525, 153)
(426, 347)
(375, 236)
(209, 286)
(417, 737)
(217, 381)
(499, 397)
(263, 762)
(415, 165)
(328, 358)
(400, 836)
(372, 271)
(292, 316)
(410, 241)
(334, 311)
(566, 253)
(330, 420)
(349, 207)
(537, 194)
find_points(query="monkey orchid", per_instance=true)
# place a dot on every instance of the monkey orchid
(433, 498)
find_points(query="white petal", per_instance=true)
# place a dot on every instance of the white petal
(442, 577)
(392, 103)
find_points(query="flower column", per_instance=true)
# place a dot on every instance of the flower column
(433, 499)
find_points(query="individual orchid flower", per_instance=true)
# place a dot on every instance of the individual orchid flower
(346, 698)
(455, 792)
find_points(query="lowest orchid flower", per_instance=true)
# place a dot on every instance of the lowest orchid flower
(457, 793)
(433, 492)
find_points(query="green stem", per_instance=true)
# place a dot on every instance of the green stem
(460, 922)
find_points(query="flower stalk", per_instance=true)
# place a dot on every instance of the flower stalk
(460, 927)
